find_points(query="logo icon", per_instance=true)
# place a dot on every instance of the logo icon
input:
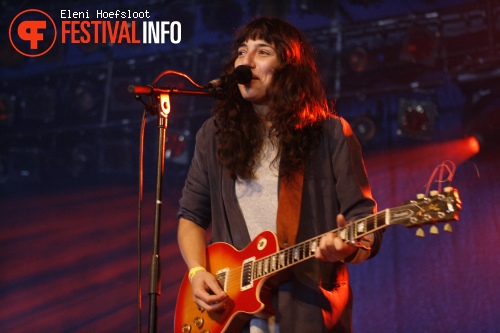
(32, 33)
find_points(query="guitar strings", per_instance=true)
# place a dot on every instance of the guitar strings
(305, 250)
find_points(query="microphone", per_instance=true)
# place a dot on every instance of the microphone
(241, 74)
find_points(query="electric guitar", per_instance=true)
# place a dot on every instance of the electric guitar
(242, 274)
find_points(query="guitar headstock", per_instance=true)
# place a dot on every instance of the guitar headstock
(437, 208)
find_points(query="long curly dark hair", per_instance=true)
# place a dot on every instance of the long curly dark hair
(296, 98)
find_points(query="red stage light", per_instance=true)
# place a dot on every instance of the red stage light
(460, 150)
(473, 144)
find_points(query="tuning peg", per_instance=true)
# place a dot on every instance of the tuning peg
(434, 230)
(420, 232)
(447, 228)
(434, 193)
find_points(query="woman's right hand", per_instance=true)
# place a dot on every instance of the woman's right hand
(207, 292)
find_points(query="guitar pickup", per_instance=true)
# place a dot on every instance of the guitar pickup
(246, 274)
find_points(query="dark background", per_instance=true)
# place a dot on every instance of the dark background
(414, 79)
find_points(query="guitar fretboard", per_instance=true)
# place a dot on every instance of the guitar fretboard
(414, 213)
(350, 233)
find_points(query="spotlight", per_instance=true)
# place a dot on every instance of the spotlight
(176, 143)
(420, 46)
(473, 144)
(85, 92)
(9, 57)
(177, 150)
(358, 59)
(321, 7)
(83, 159)
(86, 100)
(482, 122)
(485, 139)
(364, 128)
(38, 103)
(416, 119)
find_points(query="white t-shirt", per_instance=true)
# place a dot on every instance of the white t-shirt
(258, 200)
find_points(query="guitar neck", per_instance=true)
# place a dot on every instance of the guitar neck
(305, 250)
(414, 213)
(349, 233)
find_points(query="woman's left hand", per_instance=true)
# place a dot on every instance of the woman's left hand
(332, 248)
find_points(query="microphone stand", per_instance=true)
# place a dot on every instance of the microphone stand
(162, 96)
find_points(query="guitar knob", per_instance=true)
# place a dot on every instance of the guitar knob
(433, 193)
(434, 230)
(420, 196)
(186, 328)
(448, 189)
(420, 232)
(447, 227)
(198, 322)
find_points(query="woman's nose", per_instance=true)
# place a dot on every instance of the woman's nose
(247, 59)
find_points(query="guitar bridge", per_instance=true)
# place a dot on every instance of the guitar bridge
(222, 278)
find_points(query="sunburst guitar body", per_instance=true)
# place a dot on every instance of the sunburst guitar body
(233, 270)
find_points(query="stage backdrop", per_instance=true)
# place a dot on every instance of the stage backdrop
(440, 283)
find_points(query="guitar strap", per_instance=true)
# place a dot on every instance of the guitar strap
(289, 203)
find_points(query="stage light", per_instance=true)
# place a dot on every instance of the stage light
(84, 92)
(38, 103)
(176, 144)
(420, 46)
(416, 119)
(473, 145)
(484, 141)
(482, 121)
(83, 159)
(86, 99)
(458, 150)
(364, 128)
(358, 59)
(9, 57)
(177, 147)
(321, 7)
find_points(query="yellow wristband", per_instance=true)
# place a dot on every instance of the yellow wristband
(193, 271)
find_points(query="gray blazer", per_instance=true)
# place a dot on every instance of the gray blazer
(317, 296)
